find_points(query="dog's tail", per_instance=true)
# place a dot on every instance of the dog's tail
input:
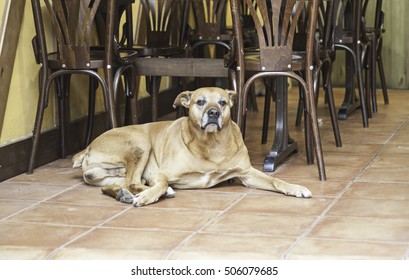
(78, 158)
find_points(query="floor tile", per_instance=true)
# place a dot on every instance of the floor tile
(325, 249)
(329, 188)
(9, 252)
(37, 236)
(363, 228)
(260, 224)
(8, 207)
(163, 218)
(108, 254)
(67, 214)
(372, 174)
(51, 176)
(199, 199)
(29, 191)
(395, 149)
(123, 243)
(281, 205)
(225, 246)
(311, 171)
(380, 191)
(86, 195)
(394, 209)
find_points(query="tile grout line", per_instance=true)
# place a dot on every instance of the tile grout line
(338, 197)
(184, 241)
(39, 202)
(59, 248)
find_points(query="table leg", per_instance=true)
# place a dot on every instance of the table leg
(283, 145)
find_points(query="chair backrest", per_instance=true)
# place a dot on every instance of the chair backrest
(326, 24)
(210, 18)
(72, 21)
(378, 13)
(347, 16)
(164, 22)
(276, 22)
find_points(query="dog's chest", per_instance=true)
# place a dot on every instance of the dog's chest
(201, 180)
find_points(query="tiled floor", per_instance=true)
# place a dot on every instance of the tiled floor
(360, 212)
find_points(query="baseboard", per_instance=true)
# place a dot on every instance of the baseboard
(15, 156)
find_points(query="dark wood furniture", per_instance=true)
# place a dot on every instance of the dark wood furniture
(71, 23)
(275, 27)
(323, 60)
(347, 37)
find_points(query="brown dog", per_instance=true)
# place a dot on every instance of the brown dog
(140, 163)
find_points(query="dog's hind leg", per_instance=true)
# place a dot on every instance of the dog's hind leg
(132, 185)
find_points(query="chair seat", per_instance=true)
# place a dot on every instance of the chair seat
(252, 61)
(96, 61)
(97, 58)
(144, 51)
(345, 37)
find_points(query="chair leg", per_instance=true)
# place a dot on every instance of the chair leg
(266, 116)
(93, 85)
(368, 94)
(133, 97)
(372, 64)
(153, 84)
(331, 102)
(41, 106)
(309, 142)
(63, 89)
(358, 72)
(312, 118)
(382, 73)
(300, 108)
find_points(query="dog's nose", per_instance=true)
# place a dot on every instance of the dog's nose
(213, 113)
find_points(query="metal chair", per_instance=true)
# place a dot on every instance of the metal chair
(71, 23)
(210, 37)
(347, 37)
(160, 34)
(275, 26)
(163, 48)
(374, 34)
(323, 54)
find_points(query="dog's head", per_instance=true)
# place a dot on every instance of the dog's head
(209, 107)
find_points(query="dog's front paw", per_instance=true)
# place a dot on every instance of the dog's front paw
(140, 201)
(144, 198)
(298, 191)
(125, 196)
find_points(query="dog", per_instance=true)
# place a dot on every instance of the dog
(139, 164)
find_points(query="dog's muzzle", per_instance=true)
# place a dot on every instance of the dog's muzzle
(212, 117)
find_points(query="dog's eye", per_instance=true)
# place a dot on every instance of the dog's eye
(222, 103)
(201, 102)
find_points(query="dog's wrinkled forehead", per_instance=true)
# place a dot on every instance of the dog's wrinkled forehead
(203, 96)
(209, 96)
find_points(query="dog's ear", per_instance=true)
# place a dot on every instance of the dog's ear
(183, 99)
(232, 96)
